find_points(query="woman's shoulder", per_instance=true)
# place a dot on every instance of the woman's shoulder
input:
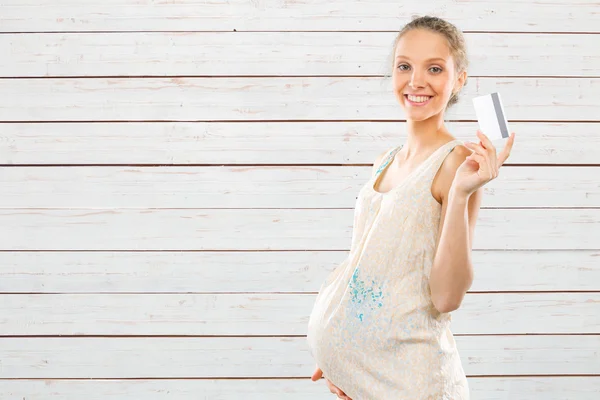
(458, 154)
(445, 174)
(379, 159)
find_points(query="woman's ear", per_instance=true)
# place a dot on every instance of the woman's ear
(460, 82)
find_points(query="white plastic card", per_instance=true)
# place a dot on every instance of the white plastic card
(491, 116)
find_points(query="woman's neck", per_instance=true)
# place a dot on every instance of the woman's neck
(423, 136)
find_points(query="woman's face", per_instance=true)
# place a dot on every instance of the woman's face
(423, 66)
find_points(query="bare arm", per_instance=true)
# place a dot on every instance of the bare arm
(452, 270)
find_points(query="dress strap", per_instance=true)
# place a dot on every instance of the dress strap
(386, 160)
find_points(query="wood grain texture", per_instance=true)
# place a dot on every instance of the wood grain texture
(281, 98)
(489, 388)
(266, 187)
(269, 357)
(178, 179)
(269, 229)
(267, 272)
(273, 314)
(280, 53)
(274, 15)
(262, 143)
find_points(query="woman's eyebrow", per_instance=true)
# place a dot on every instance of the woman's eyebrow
(429, 59)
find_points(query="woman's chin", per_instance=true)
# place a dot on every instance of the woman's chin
(416, 115)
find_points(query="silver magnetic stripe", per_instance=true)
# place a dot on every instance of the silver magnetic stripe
(499, 115)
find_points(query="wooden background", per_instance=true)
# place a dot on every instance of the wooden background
(178, 178)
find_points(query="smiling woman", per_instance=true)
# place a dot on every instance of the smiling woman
(380, 326)
(411, 60)
(419, 80)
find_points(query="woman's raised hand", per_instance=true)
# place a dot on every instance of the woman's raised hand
(332, 388)
(482, 165)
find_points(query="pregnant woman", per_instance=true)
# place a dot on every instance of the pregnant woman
(380, 325)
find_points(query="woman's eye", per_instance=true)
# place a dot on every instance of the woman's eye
(435, 70)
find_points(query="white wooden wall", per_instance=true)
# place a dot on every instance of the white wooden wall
(178, 178)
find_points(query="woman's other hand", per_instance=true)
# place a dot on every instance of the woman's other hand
(318, 374)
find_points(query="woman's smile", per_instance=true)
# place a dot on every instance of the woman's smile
(417, 101)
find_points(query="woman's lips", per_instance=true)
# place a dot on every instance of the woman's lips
(412, 103)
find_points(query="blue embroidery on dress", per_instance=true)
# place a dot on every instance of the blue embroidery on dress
(387, 160)
(364, 298)
(382, 166)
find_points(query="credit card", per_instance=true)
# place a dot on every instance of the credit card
(491, 116)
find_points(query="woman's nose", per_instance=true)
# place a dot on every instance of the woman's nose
(416, 81)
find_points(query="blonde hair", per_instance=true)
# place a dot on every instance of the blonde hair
(453, 35)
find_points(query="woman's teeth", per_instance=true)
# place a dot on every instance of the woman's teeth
(418, 99)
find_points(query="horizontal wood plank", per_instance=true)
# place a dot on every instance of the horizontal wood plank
(276, 98)
(489, 388)
(280, 53)
(272, 314)
(274, 15)
(269, 229)
(239, 271)
(269, 357)
(266, 187)
(262, 143)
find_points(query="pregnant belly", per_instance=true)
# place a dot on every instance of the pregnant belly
(343, 328)
(343, 343)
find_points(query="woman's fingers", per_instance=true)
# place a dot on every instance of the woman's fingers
(482, 157)
(336, 390)
(317, 374)
(476, 148)
(341, 395)
(485, 141)
(332, 388)
(503, 156)
(484, 166)
(487, 144)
